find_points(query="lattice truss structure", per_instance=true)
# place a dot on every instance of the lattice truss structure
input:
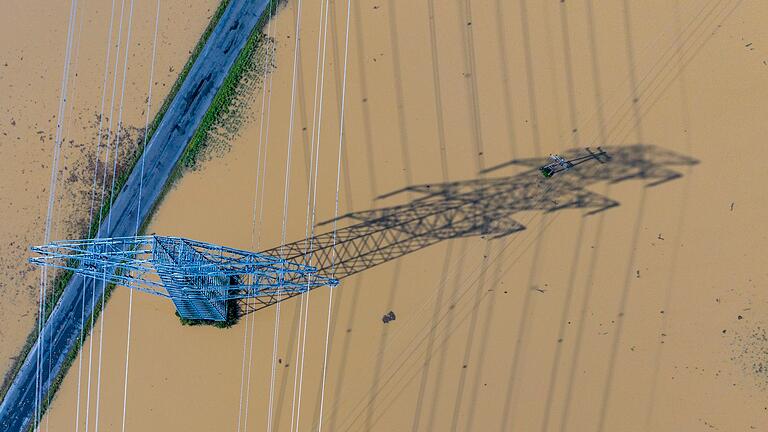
(480, 207)
(200, 278)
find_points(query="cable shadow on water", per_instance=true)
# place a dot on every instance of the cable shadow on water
(384, 337)
(431, 340)
(365, 107)
(408, 178)
(302, 104)
(437, 89)
(345, 348)
(530, 286)
(286, 366)
(591, 263)
(530, 77)
(575, 261)
(465, 21)
(442, 147)
(639, 217)
(484, 289)
(677, 235)
(509, 114)
(468, 346)
(442, 348)
(397, 76)
(470, 74)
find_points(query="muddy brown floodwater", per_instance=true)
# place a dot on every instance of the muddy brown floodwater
(31, 62)
(646, 317)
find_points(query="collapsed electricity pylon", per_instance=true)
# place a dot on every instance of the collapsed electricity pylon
(200, 278)
(480, 207)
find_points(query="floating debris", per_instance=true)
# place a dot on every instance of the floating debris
(389, 316)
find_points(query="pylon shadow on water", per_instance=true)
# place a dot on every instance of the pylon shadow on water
(480, 207)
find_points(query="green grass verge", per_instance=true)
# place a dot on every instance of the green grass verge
(62, 278)
(223, 99)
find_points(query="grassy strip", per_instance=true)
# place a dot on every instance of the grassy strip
(62, 278)
(220, 105)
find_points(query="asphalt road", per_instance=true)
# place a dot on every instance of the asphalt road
(62, 330)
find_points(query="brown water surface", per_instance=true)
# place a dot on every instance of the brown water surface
(34, 39)
(649, 316)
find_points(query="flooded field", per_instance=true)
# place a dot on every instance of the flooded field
(34, 38)
(647, 316)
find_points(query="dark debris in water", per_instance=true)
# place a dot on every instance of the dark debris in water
(389, 316)
(751, 353)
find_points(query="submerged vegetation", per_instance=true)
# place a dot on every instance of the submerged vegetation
(228, 111)
(233, 316)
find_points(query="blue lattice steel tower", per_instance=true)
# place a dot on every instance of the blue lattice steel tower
(200, 278)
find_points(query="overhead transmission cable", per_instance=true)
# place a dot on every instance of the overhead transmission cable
(317, 115)
(111, 197)
(43, 292)
(141, 186)
(285, 214)
(68, 127)
(90, 223)
(335, 217)
(100, 215)
(260, 179)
